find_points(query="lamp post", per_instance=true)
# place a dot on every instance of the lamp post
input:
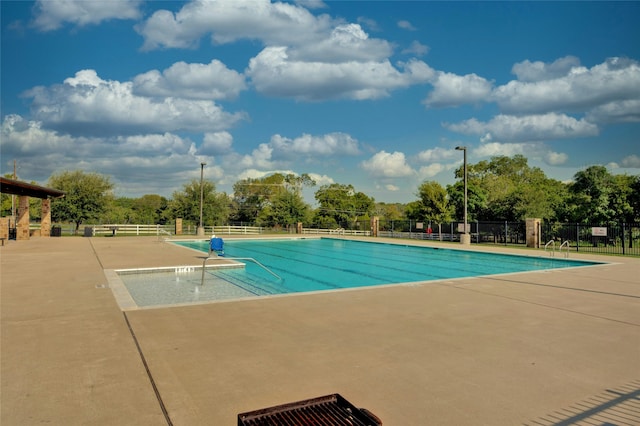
(465, 238)
(200, 231)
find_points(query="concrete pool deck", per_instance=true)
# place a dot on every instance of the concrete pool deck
(549, 347)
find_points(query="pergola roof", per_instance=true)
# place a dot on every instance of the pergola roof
(16, 187)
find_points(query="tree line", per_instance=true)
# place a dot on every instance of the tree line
(502, 188)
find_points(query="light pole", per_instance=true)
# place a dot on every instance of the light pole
(465, 238)
(200, 230)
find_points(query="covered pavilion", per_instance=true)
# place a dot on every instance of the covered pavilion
(25, 190)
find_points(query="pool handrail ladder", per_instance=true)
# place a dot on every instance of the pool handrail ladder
(552, 243)
(215, 256)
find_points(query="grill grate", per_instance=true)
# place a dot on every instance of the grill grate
(330, 410)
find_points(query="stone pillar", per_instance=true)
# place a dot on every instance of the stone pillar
(178, 226)
(22, 232)
(375, 225)
(299, 228)
(5, 222)
(45, 222)
(532, 228)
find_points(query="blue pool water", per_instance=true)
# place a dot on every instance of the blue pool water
(312, 264)
(326, 264)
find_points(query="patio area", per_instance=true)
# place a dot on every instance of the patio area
(548, 347)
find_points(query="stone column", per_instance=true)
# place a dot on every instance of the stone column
(4, 227)
(375, 225)
(532, 228)
(22, 232)
(178, 226)
(299, 228)
(45, 222)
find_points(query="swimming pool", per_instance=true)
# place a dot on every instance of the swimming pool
(317, 264)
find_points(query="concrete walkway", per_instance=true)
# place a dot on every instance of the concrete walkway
(532, 348)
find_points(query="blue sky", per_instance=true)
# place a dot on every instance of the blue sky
(376, 94)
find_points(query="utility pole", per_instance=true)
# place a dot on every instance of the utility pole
(200, 231)
(13, 197)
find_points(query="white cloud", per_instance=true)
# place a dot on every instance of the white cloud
(416, 48)
(311, 4)
(274, 73)
(616, 112)
(453, 90)
(327, 145)
(345, 43)
(493, 149)
(89, 105)
(387, 165)
(43, 152)
(50, 15)
(192, 81)
(227, 21)
(631, 161)
(437, 154)
(281, 151)
(539, 71)
(536, 151)
(406, 25)
(216, 143)
(431, 170)
(321, 179)
(391, 187)
(555, 158)
(615, 80)
(527, 128)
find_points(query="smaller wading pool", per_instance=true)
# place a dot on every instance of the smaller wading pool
(297, 265)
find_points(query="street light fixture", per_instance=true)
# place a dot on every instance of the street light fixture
(200, 230)
(465, 238)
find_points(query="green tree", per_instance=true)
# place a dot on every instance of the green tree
(435, 200)
(87, 196)
(390, 211)
(597, 196)
(415, 210)
(476, 201)
(186, 204)
(341, 205)
(119, 210)
(285, 209)
(591, 193)
(506, 188)
(255, 200)
(149, 209)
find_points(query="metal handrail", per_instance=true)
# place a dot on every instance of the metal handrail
(553, 245)
(162, 231)
(566, 243)
(215, 256)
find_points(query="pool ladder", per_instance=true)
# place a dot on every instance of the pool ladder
(552, 243)
(251, 259)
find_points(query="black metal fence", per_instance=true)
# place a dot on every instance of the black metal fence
(497, 232)
(622, 238)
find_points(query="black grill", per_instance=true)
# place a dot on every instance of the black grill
(329, 410)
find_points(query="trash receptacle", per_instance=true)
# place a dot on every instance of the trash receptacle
(88, 231)
(56, 231)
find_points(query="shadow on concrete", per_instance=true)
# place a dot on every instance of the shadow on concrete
(612, 407)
